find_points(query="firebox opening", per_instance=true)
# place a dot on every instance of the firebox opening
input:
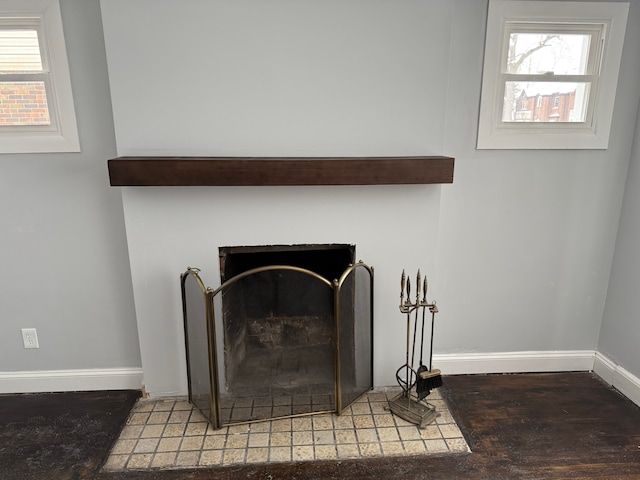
(279, 327)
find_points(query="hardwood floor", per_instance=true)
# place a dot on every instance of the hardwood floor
(60, 435)
(547, 426)
(534, 426)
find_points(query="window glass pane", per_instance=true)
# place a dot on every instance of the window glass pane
(19, 51)
(545, 102)
(23, 103)
(539, 53)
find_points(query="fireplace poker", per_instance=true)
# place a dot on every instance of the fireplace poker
(415, 323)
(407, 383)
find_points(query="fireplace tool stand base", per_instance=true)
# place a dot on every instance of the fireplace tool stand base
(416, 383)
(413, 411)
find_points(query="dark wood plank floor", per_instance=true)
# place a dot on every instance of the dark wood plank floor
(535, 426)
(59, 435)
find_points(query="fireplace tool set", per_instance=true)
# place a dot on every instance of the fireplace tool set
(416, 379)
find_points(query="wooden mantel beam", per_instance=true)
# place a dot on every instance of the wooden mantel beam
(255, 171)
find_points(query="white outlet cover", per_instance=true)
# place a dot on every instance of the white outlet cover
(30, 338)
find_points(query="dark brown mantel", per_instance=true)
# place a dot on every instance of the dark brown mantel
(243, 171)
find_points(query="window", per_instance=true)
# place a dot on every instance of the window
(36, 106)
(562, 57)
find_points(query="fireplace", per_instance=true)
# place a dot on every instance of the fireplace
(288, 332)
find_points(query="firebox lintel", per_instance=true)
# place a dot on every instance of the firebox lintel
(328, 260)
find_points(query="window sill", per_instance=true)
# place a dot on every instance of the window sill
(40, 143)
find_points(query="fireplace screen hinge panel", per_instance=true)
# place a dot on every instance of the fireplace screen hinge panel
(289, 332)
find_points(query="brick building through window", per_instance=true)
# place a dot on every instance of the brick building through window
(554, 107)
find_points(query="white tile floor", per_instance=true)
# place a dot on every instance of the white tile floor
(170, 434)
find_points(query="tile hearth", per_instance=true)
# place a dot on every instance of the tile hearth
(170, 434)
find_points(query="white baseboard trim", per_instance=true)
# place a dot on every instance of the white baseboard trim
(450, 364)
(71, 380)
(618, 377)
(514, 362)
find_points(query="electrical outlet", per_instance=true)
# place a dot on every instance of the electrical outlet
(30, 338)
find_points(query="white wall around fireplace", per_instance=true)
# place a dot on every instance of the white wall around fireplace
(170, 229)
(281, 78)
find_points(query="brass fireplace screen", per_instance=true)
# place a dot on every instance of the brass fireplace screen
(278, 341)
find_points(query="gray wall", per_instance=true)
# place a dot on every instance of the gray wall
(64, 262)
(525, 239)
(620, 334)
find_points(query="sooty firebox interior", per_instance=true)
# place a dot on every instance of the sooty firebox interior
(278, 324)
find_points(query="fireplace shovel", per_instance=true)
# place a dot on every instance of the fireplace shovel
(427, 379)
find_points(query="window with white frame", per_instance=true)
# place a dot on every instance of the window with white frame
(36, 104)
(561, 61)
